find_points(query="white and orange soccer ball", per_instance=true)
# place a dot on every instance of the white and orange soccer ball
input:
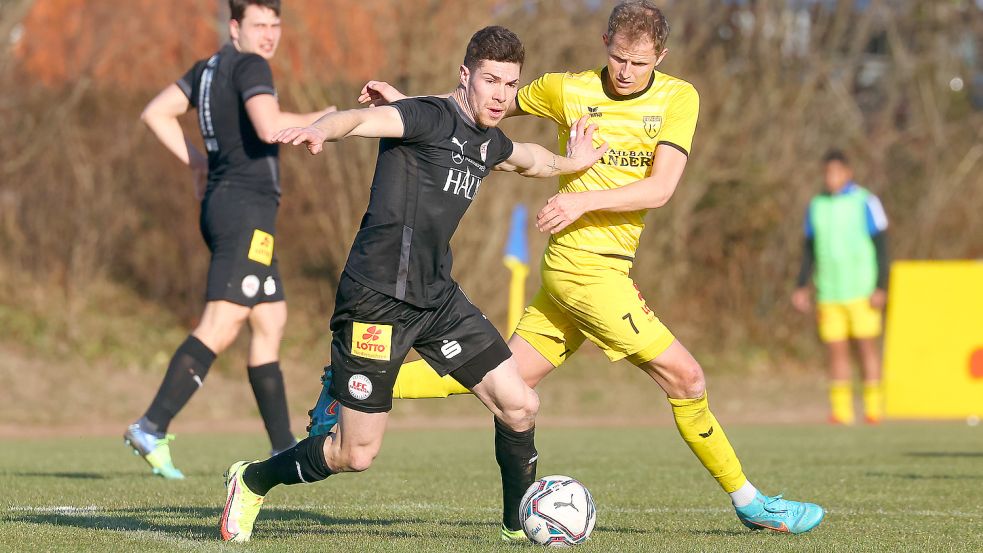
(557, 511)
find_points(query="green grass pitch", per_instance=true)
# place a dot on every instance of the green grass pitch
(894, 488)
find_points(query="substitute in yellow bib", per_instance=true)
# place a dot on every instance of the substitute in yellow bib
(648, 120)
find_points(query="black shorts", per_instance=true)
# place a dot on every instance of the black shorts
(373, 333)
(240, 229)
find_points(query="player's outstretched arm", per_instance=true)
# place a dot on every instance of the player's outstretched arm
(533, 160)
(648, 193)
(381, 93)
(266, 117)
(383, 122)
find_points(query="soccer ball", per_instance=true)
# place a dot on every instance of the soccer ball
(557, 511)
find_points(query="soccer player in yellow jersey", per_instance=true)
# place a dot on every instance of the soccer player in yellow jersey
(648, 119)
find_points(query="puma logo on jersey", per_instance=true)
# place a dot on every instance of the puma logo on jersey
(707, 433)
(458, 158)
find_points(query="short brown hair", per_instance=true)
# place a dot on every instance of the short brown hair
(494, 44)
(837, 155)
(237, 8)
(639, 19)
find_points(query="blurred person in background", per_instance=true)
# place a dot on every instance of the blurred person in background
(845, 255)
(595, 223)
(237, 181)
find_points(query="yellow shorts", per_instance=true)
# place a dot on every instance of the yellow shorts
(586, 295)
(840, 321)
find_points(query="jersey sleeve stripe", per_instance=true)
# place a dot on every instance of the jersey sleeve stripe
(676, 146)
(877, 218)
(256, 91)
(185, 87)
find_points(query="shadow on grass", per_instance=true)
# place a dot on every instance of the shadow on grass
(718, 533)
(202, 523)
(627, 531)
(158, 519)
(914, 476)
(944, 454)
(72, 475)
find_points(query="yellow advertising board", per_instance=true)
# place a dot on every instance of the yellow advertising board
(933, 347)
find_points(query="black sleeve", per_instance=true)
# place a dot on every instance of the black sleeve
(188, 84)
(505, 150)
(424, 119)
(883, 260)
(808, 262)
(253, 77)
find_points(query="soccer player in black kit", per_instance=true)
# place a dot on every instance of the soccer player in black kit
(238, 183)
(396, 291)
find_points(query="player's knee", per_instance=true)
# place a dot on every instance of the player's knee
(268, 329)
(522, 416)
(531, 407)
(268, 338)
(360, 460)
(357, 459)
(218, 338)
(693, 383)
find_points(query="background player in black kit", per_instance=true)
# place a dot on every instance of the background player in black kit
(396, 290)
(239, 185)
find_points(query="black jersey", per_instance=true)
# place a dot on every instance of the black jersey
(218, 88)
(424, 183)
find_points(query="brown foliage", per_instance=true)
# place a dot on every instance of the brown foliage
(88, 194)
(128, 45)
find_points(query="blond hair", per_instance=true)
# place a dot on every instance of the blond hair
(639, 19)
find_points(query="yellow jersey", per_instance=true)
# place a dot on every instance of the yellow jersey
(665, 112)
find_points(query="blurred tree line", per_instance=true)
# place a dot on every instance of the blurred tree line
(87, 194)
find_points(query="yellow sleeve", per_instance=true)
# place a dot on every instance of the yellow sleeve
(544, 97)
(680, 123)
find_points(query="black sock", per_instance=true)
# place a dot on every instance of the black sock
(302, 463)
(185, 375)
(267, 383)
(516, 456)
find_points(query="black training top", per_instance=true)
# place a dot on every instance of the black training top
(218, 88)
(424, 183)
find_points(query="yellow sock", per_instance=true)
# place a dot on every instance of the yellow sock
(417, 380)
(841, 401)
(706, 438)
(873, 401)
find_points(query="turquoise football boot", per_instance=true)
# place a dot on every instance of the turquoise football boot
(780, 515)
(155, 451)
(324, 415)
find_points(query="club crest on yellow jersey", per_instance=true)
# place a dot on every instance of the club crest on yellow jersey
(652, 124)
